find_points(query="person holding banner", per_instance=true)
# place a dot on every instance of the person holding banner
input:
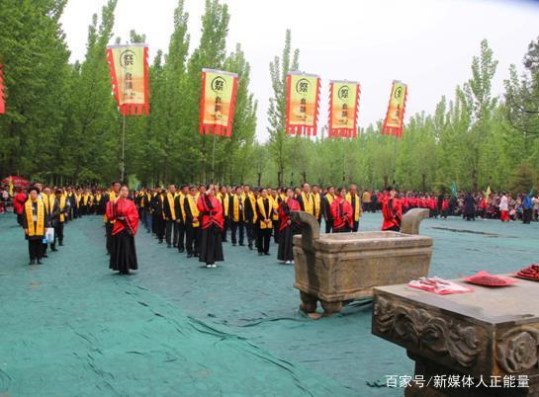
(124, 215)
(212, 225)
(34, 218)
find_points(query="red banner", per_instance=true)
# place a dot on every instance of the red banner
(302, 101)
(2, 98)
(343, 109)
(217, 102)
(394, 121)
(128, 66)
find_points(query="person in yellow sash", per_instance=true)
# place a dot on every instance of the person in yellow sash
(249, 215)
(60, 209)
(192, 222)
(305, 199)
(34, 219)
(48, 199)
(109, 199)
(326, 205)
(353, 198)
(224, 198)
(317, 203)
(170, 217)
(236, 213)
(264, 212)
(180, 216)
(276, 200)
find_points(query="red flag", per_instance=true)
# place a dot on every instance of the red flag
(2, 98)
(128, 66)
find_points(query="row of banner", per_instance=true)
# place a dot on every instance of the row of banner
(128, 65)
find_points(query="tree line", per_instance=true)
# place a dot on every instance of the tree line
(62, 125)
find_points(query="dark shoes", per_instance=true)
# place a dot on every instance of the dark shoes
(189, 255)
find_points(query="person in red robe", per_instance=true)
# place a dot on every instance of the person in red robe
(123, 212)
(391, 211)
(288, 228)
(18, 204)
(212, 226)
(342, 213)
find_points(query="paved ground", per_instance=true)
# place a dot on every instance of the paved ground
(70, 327)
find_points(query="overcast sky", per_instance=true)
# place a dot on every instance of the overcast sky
(428, 44)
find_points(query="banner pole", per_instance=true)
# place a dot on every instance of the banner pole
(122, 165)
(213, 161)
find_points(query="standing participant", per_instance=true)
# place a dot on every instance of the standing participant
(225, 201)
(124, 214)
(273, 195)
(391, 211)
(504, 208)
(317, 202)
(366, 201)
(192, 223)
(469, 207)
(180, 216)
(236, 216)
(59, 214)
(326, 204)
(353, 198)
(34, 218)
(109, 223)
(305, 199)
(527, 208)
(264, 212)
(169, 214)
(48, 199)
(249, 207)
(288, 228)
(341, 213)
(212, 225)
(18, 205)
(145, 203)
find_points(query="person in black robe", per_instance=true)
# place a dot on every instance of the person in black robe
(288, 228)
(212, 225)
(125, 215)
(469, 207)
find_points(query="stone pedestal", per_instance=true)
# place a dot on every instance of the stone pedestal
(336, 268)
(490, 334)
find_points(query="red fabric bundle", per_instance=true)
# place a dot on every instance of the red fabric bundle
(530, 273)
(486, 279)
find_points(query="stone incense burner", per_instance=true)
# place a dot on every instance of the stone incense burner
(338, 268)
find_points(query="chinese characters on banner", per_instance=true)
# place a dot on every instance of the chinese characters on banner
(302, 99)
(2, 99)
(343, 109)
(394, 121)
(128, 65)
(218, 102)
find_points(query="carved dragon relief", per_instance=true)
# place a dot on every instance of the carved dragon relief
(426, 331)
(517, 350)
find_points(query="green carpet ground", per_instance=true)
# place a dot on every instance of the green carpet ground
(73, 328)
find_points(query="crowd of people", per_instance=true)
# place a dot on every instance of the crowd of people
(198, 219)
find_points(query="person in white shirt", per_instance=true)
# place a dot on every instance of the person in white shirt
(504, 208)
